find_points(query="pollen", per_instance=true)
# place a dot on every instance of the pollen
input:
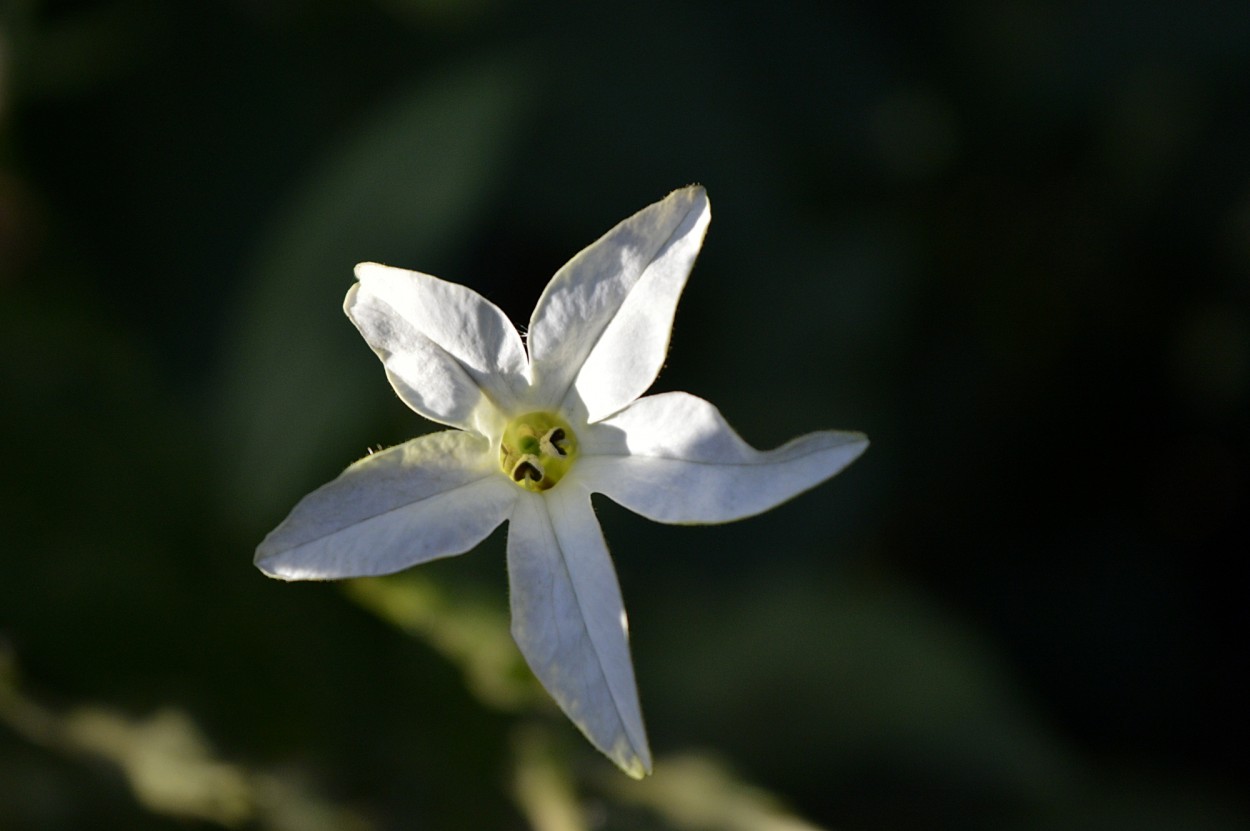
(537, 450)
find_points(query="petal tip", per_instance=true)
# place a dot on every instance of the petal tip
(635, 768)
(631, 754)
(634, 760)
(695, 195)
(270, 564)
(349, 301)
(264, 562)
(371, 271)
(287, 573)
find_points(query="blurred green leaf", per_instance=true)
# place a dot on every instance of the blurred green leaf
(1115, 796)
(830, 677)
(404, 185)
(48, 56)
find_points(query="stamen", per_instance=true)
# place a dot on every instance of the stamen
(553, 442)
(527, 469)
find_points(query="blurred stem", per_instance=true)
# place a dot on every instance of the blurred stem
(542, 784)
(168, 764)
(696, 793)
(468, 630)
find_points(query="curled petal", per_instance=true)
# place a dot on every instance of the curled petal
(446, 348)
(601, 329)
(433, 496)
(673, 458)
(569, 621)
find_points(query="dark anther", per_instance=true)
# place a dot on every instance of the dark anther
(527, 469)
(557, 436)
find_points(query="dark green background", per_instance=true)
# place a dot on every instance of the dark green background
(1009, 241)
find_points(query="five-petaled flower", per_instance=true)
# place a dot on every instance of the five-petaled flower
(533, 437)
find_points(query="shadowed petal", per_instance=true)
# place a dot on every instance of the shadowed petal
(602, 325)
(569, 621)
(433, 496)
(445, 347)
(673, 458)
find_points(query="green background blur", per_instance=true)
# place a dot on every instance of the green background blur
(1009, 241)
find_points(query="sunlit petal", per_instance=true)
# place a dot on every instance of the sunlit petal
(602, 325)
(673, 458)
(445, 347)
(569, 621)
(434, 496)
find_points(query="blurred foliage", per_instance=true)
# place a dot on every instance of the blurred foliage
(469, 630)
(358, 208)
(1009, 241)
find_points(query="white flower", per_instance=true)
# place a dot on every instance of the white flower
(534, 436)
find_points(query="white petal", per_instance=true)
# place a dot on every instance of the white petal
(569, 621)
(431, 497)
(673, 458)
(601, 328)
(445, 347)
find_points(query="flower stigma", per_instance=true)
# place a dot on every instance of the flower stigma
(536, 450)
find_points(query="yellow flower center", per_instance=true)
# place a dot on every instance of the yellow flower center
(536, 450)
